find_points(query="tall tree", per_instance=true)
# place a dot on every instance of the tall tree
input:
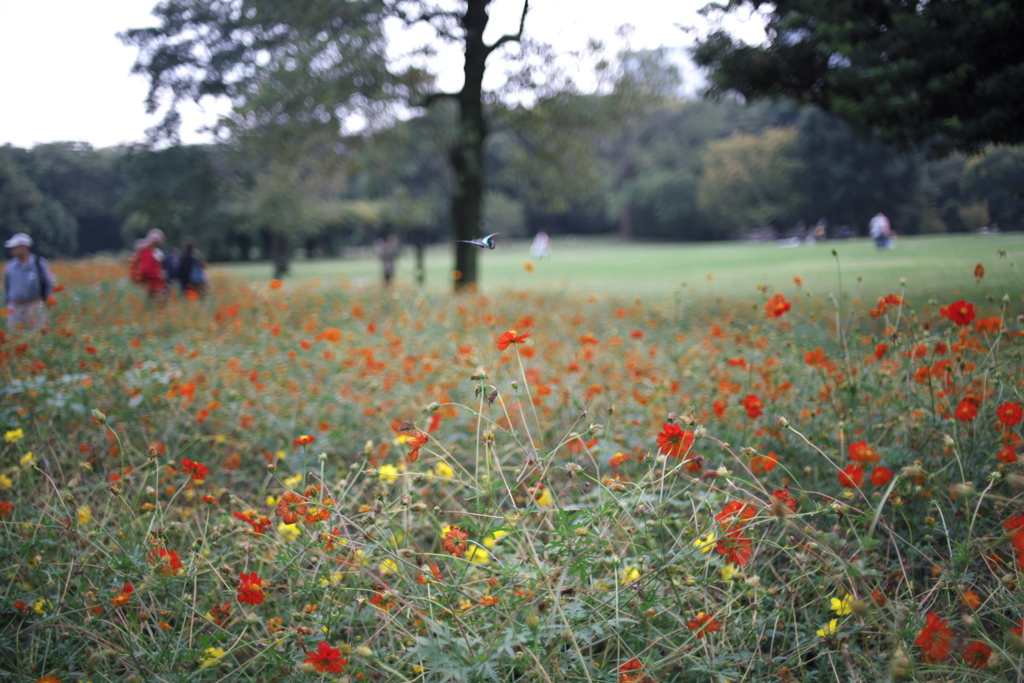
(944, 74)
(289, 67)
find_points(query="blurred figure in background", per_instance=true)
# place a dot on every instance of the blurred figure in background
(881, 231)
(541, 246)
(387, 250)
(192, 270)
(27, 284)
(146, 265)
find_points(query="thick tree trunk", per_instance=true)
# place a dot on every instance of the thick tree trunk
(468, 151)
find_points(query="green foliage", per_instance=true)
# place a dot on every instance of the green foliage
(24, 208)
(997, 178)
(749, 180)
(943, 74)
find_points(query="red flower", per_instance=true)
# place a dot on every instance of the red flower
(852, 477)
(422, 578)
(304, 439)
(220, 613)
(703, 624)
(259, 524)
(753, 405)
(1010, 413)
(735, 514)
(880, 476)
(1006, 454)
(777, 306)
(416, 441)
(123, 597)
(959, 312)
(632, 665)
(1017, 630)
(863, 453)
(5, 508)
(168, 558)
(762, 464)
(326, 659)
(290, 507)
(787, 500)
(196, 470)
(674, 441)
(966, 410)
(934, 638)
(977, 653)
(250, 589)
(454, 541)
(510, 337)
(979, 272)
(736, 547)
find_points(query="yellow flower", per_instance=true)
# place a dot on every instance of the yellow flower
(442, 470)
(293, 481)
(326, 581)
(212, 656)
(729, 572)
(289, 532)
(493, 539)
(544, 499)
(27, 459)
(42, 606)
(271, 500)
(281, 455)
(221, 438)
(84, 515)
(388, 567)
(388, 473)
(829, 629)
(705, 543)
(5, 482)
(14, 436)
(477, 554)
(630, 574)
(842, 607)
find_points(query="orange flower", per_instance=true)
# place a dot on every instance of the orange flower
(511, 337)
(735, 514)
(736, 547)
(290, 507)
(979, 272)
(5, 508)
(304, 439)
(976, 655)
(49, 679)
(703, 624)
(489, 601)
(762, 464)
(219, 614)
(880, 476)
(250, 589)
(959, 312)
(259, 524)
(787, 500)
(1010, 413)
(196, 470)
(852, 477)
(861, 452)
(934, 638)
(276, 284)
(753, 406)
(966, 410)
(777, 306)
(674, 441)
(169, 559)
(326, 659)
(123, 597)
(454, 541)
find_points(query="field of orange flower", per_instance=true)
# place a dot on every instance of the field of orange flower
(290, 482)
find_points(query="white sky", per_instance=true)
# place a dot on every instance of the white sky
(65, 75)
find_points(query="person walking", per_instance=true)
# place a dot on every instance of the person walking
(27, 285)
(191, 271)
(387, 250)
(881, 231)
(146, 266)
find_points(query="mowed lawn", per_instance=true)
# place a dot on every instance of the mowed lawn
(932, 266)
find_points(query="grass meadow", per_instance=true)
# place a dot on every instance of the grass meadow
(585, 473)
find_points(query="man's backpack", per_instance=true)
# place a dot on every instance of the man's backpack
(135, 267)
(44, 284)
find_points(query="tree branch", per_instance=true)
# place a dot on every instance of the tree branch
(508, 37)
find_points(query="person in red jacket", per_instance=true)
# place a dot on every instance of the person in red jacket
(150, 264)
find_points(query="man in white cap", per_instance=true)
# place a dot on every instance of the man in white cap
(27, 284)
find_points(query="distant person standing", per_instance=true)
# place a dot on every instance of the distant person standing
(146, 265)
(881, 231)
(27, 284)
(191, 271)
(541, 246)
(387, 250)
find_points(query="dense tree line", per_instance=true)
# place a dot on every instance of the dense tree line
(639, 162)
